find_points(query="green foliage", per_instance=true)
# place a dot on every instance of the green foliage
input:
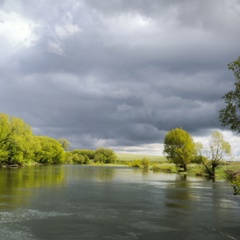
(229, 115)
(233, 175)
(65, 143)
(80, 159)
(48, 150)
(19, 146)
(197, 170)
(77, 157)
(105, 155)
(198, 159)
(218, 149)
(145, 163)
(135, 163)
(166, 168)
(16, 146)
(87, 152)
(140, 163)
(179, 147)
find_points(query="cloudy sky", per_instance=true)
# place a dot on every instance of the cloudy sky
(118, 73)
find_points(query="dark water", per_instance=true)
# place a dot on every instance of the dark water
(77, 202)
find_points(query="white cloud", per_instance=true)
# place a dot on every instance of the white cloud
(16, 30)
(67, 30)
(55, 48)
(148, 149)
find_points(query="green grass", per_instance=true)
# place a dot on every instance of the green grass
(164, 167)
(132, 157)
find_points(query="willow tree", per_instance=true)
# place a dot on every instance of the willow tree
(16, 140)
(219, 149)
(179, 147)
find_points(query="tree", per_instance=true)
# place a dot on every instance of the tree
(179, 147)
(78, 156)
(230, 114)
(16, 139)
(48, 150)
(86, 152)
(217, 150)
(80, 159)
(19, 146)
(105, 155)
(65, 143)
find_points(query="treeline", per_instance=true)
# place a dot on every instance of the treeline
(84, 156)
(181, 150)
(19, 146)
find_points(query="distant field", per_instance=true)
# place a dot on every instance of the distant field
(132, 157)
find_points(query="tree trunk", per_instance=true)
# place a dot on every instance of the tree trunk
(213, 171)
(185, 167)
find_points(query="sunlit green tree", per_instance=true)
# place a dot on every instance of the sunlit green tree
(179, 147)
(213, 155)
(105, 155)
(48, 150)
(65, 143)
(16, 140)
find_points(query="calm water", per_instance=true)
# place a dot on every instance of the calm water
(81, 202)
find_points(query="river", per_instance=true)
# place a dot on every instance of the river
(70, 202)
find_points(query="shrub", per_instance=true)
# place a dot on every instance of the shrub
(135, 163)
(105, 155)
(87, 152)
(145, 163)
(140, 163)
(234, 177)
(197, 170)
(166, 168)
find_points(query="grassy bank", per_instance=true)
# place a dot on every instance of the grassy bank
(160, 164)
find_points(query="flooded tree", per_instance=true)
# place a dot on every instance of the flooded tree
(213, 155)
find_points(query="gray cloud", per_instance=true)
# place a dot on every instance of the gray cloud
(117, 73)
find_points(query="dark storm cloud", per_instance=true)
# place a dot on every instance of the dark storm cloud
(117, 73)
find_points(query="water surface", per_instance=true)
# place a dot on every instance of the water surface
(83, 202)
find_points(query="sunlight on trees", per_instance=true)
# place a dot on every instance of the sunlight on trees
(179, 147)
(213, 154)
(19, 146)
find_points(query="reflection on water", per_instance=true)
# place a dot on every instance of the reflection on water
(102, 174)
(83, 202)
(176, 197)
(17, 185)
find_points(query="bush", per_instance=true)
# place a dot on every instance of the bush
(85, 152)
(135, 163)
(105, 155)
(140, 163)
(234, 177)
(76, 158)
(145, 163)
(166, 168)
(197, 170)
